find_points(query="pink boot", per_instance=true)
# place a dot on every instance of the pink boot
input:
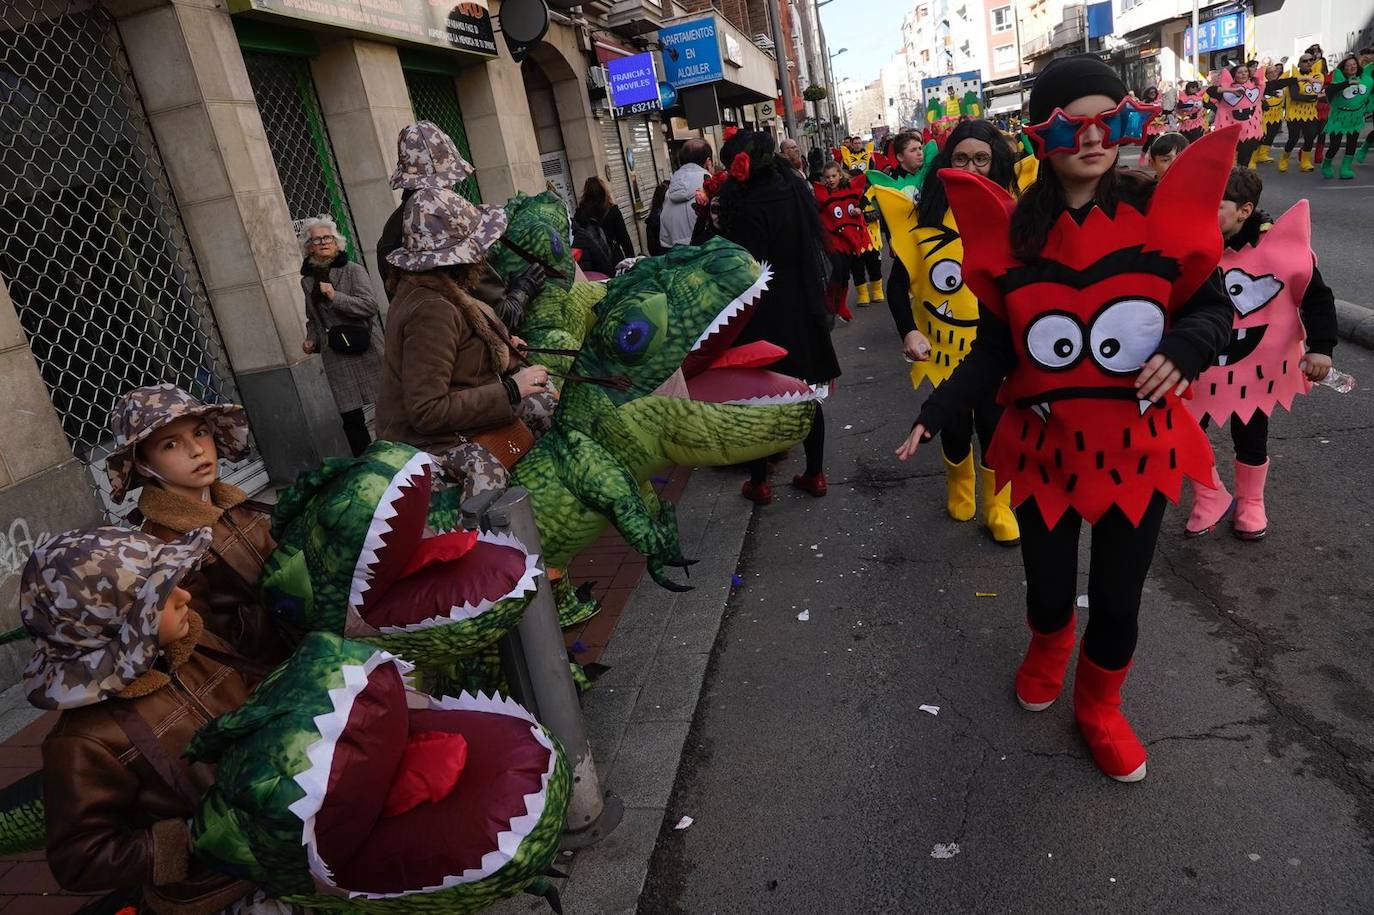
(1041, 675)
(1210, 506)
(1251, 522)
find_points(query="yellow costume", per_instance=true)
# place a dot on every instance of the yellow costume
(1310, 85)
(862, 159)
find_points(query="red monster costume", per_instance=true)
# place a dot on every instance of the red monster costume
(1084, 316)
(842, 216)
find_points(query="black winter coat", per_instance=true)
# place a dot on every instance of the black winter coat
(767, 217)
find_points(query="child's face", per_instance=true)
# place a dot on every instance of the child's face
(913, 156)
(1161, 163)
(831, 178)
(183, 453)
(1231, 217)
(174, 623)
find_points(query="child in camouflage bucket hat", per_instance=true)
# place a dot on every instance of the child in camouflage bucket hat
(119, 650)
(170, 443)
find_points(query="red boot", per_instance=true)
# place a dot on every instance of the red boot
(1041, 675)
(1097, 708)
(758, 493)
(813, 483)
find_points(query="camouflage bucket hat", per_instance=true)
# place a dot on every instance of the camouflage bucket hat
(143, 411)
(91, 600)
(442, 229)
(426, 157)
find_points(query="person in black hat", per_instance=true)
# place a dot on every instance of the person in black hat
(1091, 331)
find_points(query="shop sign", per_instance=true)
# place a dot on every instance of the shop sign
(691, 52)
(667, 95)
(1223, 32)
(462, 26)
(765, 112)
(633, 84)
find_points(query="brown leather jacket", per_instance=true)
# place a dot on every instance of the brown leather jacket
(112, 820)
(224, 590)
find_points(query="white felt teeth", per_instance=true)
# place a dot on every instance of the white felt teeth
(1145, 405)
(746, 298)
(944, 310)
(1240, 333)
(525, 585)
(1042, 410)
(816, 392)
(1221, 360)
(380, 525)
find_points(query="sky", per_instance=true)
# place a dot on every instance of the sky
(870, 29)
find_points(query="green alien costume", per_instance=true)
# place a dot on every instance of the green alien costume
(341, 788)
(1351, 103)
(353, 558)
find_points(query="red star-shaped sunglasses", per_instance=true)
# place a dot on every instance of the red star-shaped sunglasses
(1062, 133)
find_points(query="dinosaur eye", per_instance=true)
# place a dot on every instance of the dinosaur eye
(633, 336)
(1250, 293)
(1055, 341)
(947, 276)
(1125, 334)
(556, 243)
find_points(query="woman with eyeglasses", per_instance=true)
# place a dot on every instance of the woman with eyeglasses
(936, 316)
(1100, 303)
(342, 324)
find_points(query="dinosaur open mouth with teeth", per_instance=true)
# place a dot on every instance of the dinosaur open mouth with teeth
(406, 581)
(943, 313)
(1244, 340)
(715, 371)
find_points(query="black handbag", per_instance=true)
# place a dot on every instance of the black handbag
(349, 339)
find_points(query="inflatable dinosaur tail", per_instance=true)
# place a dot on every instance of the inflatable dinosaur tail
(21, 816)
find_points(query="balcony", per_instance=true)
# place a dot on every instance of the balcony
(636, 17)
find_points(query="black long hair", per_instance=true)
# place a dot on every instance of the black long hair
(1043, 202)
(595, 201)
(934, 202)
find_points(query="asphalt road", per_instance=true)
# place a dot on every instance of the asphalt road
(818, 784)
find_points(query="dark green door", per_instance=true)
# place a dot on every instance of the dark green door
(433, 98)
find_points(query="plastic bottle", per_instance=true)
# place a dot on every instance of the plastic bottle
(1339, 381)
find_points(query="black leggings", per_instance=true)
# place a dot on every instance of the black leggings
(813, 446)
(956, 436)
(1270, 133)
(1193, 134)
(1351, 140)
(1245, 150)
(355, 428)
(1251, 440)
(1306, 131)
(1119, 560)
(873, 260)
(1149, 141)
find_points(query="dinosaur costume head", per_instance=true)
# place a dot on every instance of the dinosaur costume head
(353, 558)
(539, 225)
(336, 773)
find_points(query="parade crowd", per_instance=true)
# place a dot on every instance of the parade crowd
(1058, 305)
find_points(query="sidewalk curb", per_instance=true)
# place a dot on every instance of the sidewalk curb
(1355, 323)
(640, 711)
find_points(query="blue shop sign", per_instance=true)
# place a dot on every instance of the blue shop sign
(667, 95)
(633, 79)
(691, 52)
(1217, 35)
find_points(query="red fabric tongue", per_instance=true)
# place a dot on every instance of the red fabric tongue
(754, 355)
(443, 548)
(429, 771)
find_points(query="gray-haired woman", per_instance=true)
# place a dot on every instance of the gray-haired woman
(342, 324)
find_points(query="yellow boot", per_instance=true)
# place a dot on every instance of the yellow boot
(863, 294)
(1253, 157)
(1262, 156)
(1283, 160)
(998, 517)
(1305, 158)
(959, 488)
(875, 292)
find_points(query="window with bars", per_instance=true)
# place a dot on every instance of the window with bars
(293, 121)
(92, 248)
(434, 98)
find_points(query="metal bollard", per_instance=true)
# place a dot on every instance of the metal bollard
(535, 660)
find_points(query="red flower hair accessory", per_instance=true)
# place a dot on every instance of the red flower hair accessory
(739, 167)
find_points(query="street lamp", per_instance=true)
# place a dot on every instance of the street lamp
(834, 90)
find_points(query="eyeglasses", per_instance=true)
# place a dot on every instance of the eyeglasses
(963, 160)
(1063, 133)
(322, 240)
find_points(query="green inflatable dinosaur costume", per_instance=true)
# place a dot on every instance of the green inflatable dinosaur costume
(353, 559)
(341, 788)
(560, 316)
(684, 397)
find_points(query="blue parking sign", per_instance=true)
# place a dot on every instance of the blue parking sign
(691, 52)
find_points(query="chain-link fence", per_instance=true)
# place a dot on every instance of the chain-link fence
(92, 248)
(434, 98)
(296, 133)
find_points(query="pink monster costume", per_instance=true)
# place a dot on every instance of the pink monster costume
(1239, 103)
(1189, 110)
(1259, 369)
